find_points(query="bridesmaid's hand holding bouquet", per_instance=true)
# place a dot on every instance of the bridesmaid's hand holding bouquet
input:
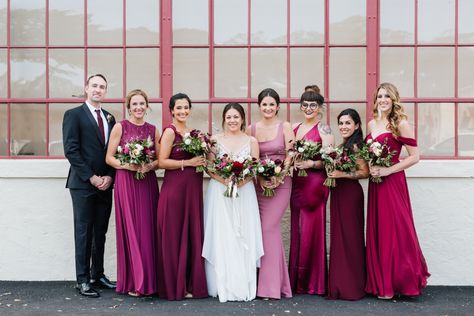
(136, 152)
(270, 170)
(377, 154)
(197, 143)
(303, 150)
(337, 158)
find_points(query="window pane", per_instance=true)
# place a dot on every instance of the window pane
(256, 116)
(28, 73)
(347, 73)
(28, 22)
(66, 22)
(436, 129)
(465, 25)
(436, 21)
(3, 130)
(191, 72)
(466, 72)
(116, 109)
(435, 78)
(307, 68)
(296, 115)
(269, 70)
(154, 115)
(3, 73)
(336, 108)
(143, 22)
(56, 115)
(31, 140)
(466, 129)
(66, 72)
(104, 26)
(307, 21)
(397, 67)
(109, 63)
(3, 22)
(230, 21)
(401, 29)
(347, 20)
(231, 72)
(190, 22)
(143, 70)
(268, 22)
(199, 117)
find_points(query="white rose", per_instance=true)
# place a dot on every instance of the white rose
(277, 169)
(301, 149)
(139, 147)
(136, 152)
(246, 172)
(203, 145)
(119, 149)
(187, 141)
(261, 169)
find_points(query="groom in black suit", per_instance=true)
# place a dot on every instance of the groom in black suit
(86, 131)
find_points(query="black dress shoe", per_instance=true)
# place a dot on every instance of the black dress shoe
(103, 283)
(85, 290)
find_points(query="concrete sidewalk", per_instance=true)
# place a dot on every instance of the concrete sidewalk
(56, 298)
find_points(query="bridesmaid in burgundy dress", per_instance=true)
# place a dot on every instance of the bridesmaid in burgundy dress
(274, 139)
(347, 275)
(180, 212)
(135, 203)
(308, 270)
(395, 263)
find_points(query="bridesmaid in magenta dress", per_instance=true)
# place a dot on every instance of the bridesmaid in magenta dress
(180, 212)
(346, 279)
(395, 263)
(135, 203)
(308, 271)
(274, 138)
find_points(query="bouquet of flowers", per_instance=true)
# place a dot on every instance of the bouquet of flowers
(197, 143)
(303, 150)
(377, 154)
(234, 169)
(337, 158)
(267, 169)
(136, 151)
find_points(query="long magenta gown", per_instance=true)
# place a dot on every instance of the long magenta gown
(346, 279)
(135, 218)
(308, 271)
(395, 263)
(180, 230)
(273, 279)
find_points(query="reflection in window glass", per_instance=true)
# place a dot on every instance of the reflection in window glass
(3, 22)
(66, 22)
(268, 22)
(56, 115)
(31, 140)
(347, 20)
(105, 26)
(154, 115)
(269, 70)
(256, 116)
(190, 21)
(435, 78)
(465, 25)
(347, 73)
(307, 22)
(28, 73)
(231, 72)
(466, 130)
(143, 22)
(191, 72)
(230, 22)
(3, 130)
(466, 72)
(3, 73)
(436, 21)
(66, 72)
(199, 117)
(307, 68)
(436, 129)
(336, 108)
(397, 67)
(105, 61)
(401, 29)
(27, 23)
(143, 70)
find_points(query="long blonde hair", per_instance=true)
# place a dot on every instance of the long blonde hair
(397, 114)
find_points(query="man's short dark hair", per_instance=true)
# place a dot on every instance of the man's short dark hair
(97, 75)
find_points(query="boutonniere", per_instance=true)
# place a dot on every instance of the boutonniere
(109, 118)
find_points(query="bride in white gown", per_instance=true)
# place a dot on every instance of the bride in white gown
(232, 231)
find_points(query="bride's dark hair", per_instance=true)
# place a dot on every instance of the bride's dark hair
(239, 108)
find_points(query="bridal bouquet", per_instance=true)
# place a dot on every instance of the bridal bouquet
(197, 143)
(268, 168)
(136, 151)
(303, 150)
(377, 154)
(337, 158)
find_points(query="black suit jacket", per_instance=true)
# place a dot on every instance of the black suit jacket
(84, 147)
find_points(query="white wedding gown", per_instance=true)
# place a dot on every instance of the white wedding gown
(232, 239)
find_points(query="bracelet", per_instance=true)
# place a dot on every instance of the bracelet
(182, 165)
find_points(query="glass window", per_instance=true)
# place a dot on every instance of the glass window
(465, 25)
(116, 109)
(347, 73)
(400, 29)
(3, 74)
(435, 78)
(268, 22)
(3, 22)
(143, 22)
(397, 66)
(466, 130)
(28, 73)
(190, 22)
(28, 22)
(436, 129)
(466, 72)
(336, 108)
(231, 73)
(199, 117)
(143, 70)
(307, 68)
(296, 115)
(230, 22)
(66, 72)
(3, 130)
(307, 22)
(30, 140)
(191, 72)
(268, 70)
(109, 63)
(154, 115)
(347, 20)
(56, 115)
(66, 22)
(105, 22)
(436, 21)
